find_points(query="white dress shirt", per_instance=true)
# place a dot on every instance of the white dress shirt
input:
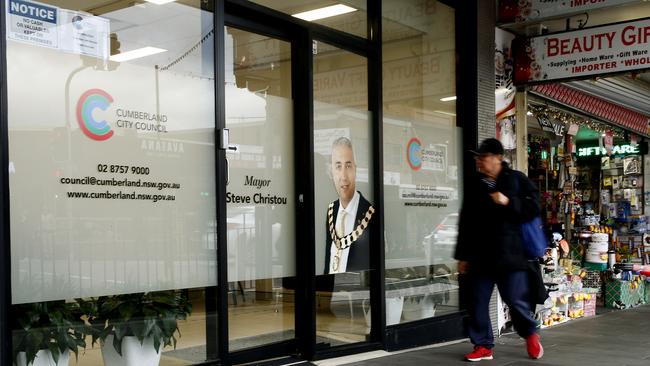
(350, 217)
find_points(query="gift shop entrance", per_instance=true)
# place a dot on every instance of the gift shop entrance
(586, 112)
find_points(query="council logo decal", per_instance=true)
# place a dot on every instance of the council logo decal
(414, 153)
(89, 101)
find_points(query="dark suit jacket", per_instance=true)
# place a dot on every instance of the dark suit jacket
(359, 256)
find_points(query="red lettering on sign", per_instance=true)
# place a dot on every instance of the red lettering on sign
(551, 47)
(627, 35)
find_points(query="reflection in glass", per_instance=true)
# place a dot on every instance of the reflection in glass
(113, 180)
(349, 16)
(343, 190)
(260, 197)
(421, 157)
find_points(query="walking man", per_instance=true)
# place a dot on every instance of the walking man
(490, 249)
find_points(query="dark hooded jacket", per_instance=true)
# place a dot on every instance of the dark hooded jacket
(489, 235)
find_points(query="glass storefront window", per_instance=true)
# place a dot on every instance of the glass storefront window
(343, 191)
(348, 16)
(422, 157)
(111, 122)
(111, 142)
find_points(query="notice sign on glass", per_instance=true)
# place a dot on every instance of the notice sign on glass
(33, 23)
(599, 50)
(66, 30)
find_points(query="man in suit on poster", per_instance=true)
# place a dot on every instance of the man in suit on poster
(348, 218)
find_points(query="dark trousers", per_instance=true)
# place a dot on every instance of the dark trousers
(513, 287)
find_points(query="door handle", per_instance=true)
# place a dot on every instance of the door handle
(227, 172)
(224, 144)
(224, 140)
(231, 148)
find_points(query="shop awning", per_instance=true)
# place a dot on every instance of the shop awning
(600, 109)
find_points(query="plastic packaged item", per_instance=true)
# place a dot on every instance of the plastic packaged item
(589, 305)
(596, 256)
(599, 237)
(599, 246)
(576, 306)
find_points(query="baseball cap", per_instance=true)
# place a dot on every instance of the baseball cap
(489, 146)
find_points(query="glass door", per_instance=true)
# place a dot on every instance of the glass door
(260, 198)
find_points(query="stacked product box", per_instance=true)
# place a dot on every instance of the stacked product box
(576, 308)
(593, 280)
(622, 294)
(589, 299)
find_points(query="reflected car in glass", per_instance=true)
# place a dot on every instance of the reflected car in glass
(447, 231)
(441, 243)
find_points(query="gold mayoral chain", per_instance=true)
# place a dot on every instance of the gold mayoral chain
(346, 241)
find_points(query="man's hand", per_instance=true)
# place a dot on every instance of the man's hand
(499, 198)
(462, 267)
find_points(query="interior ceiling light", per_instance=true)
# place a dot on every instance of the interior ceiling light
(326, 12)
(159, 2)
(448, 99)
(137, 53)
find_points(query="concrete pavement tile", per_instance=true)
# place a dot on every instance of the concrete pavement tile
(617, 338)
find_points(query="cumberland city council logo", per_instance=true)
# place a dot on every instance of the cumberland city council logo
(88, 102)
(414, 153)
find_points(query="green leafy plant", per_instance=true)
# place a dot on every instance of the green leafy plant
(56, 326)
(143, 315)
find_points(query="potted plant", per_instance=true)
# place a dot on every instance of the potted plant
(44, 333)
(133, 328)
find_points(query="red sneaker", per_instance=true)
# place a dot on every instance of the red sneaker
(534, 348)
(480, 353)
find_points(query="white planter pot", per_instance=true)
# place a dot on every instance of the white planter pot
(133, 353)
(418, 307)
(43, 358)
(393, 310)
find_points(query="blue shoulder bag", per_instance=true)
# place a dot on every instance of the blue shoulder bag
(532, 235)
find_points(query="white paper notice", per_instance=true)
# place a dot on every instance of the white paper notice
(84, 34)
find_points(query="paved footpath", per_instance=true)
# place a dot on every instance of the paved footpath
(617, 338)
